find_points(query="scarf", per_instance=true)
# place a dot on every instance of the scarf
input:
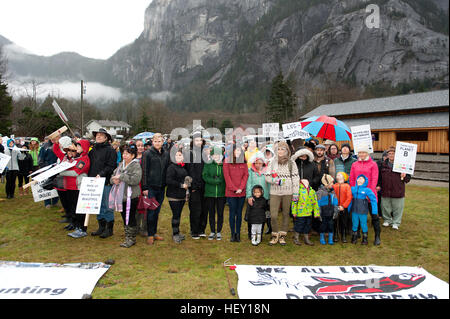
(116, 195)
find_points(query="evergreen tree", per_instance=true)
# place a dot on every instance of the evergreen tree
(282, 101)
(5, 99)
(225, 124)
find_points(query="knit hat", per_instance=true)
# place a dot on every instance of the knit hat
(344, 174)
(363, 148)
(327, 179)
(65, 142)
(390, 149)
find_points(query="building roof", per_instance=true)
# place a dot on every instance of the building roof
(426, 120)
(387, 104)
(104, 123)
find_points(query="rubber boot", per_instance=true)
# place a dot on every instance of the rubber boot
(354, 237)
(101, 228)
(274, 239)
(344, 234)
(128, 237)
(364, 239)
(307, 241)
(322, 239)
(297, 239)
(108, 232)
(330, 239)
(377, 229)
(269, 226)
(336, 230)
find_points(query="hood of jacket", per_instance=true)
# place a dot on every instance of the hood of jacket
(301, 152)
(260, 187)
(85, 144)
(366, 181)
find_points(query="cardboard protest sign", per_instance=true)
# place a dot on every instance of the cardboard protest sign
(90, 197)
(20, 280)
(55, 170)
(338, 282)
(43, 169)
(362, 137)
(271, 129)
(4, 160)
(405, 158)
(294, 131)
(40, 194)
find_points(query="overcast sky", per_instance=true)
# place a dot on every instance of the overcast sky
(93, 28)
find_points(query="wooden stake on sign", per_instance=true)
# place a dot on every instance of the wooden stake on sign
(86, 220)
(57, 132)
(29, 184)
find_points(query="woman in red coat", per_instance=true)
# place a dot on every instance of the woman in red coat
(235, 172)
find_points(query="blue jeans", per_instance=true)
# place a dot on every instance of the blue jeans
(51, 201)
(152, 215)
(359, 219)
(236, 204)
(105, 212)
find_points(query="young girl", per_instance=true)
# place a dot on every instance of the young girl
(212, 174)
(235, 172)
(328, 204)
(359, 207)
(343, 192)
(125, 192)
(176, 193)
(256, 213)
(302, 210)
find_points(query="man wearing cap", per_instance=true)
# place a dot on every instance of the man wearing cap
(324, 164)
(103, 159)
(392, 186)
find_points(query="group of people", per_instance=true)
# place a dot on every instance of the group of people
(321, 188)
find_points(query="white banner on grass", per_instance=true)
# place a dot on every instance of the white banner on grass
(338, 282)
(20, 280)
(405, 158)
(4, 160)
(90, 197)
(40, 194)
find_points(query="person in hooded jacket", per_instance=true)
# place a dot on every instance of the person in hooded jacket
(304, 159)
(329, 210)
(13, 167)
(343, 192)
(362, 198)
(256, 213)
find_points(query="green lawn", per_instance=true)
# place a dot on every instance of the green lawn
(31, 233)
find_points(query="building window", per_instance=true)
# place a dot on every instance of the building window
(375, 136)
(412, 136)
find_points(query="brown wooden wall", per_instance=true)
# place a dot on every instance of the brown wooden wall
(437, 140)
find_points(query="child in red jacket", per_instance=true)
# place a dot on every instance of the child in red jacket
(343, 193)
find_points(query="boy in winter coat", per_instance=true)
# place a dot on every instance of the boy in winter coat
(302, 210)
(256, 213)
(359, 207)
(328, 204)
(343, 193)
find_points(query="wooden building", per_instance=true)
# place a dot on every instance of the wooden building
(419, 118)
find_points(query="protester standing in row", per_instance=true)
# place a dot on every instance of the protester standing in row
(344, 195)
(141, 215)
(13, 167)
(25, 169)
(124, 195)
(34, 152)
(344, 162)
(156, 163)
(103, 159)
(46, 158)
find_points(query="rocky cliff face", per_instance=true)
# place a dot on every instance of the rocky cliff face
(224, 45)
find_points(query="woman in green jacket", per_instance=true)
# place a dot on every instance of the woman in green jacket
(212, 174)
(34, 152)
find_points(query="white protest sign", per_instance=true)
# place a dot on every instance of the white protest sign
(55, 170)
(60, 113)
(40, 194)
(43, 169)
(4, 160)
(19, 280)
(90, 197)
(362, 137)
(294, 131)
(270, 129)
(338, 282)
(405, 158)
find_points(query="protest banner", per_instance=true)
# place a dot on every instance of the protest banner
(40, 194)
(4, 160)
(54, 170)
(90, 197)
(43, 169)
(60, 113)
(20, 280)
(362, 137)
(293, 131)
(271, 129)
(338, 282)
(405, 158)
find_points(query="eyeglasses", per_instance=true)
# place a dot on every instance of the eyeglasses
(69, 150)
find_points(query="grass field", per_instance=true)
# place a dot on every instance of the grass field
(31, 233)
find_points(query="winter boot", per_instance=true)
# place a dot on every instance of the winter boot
(282, 238)
(331, 239)
(307, 241)
(274, 239)
(296, 239)
(129, 240)
(377, 229)
(269, 226)
(364, 239)
(254, 240)
(101, 228)
(354, 237)
(322, 239)
(336, 230)
(177, 239)
(108, 230)
(344, 234)
(258, 239)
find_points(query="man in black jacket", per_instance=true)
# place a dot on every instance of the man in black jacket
(153, 185)
(197, 207)
(103, 160)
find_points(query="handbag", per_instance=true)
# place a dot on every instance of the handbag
(49, 183)
(146, 203)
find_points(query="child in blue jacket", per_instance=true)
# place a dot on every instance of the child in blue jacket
(329, 210)
(359, 207)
